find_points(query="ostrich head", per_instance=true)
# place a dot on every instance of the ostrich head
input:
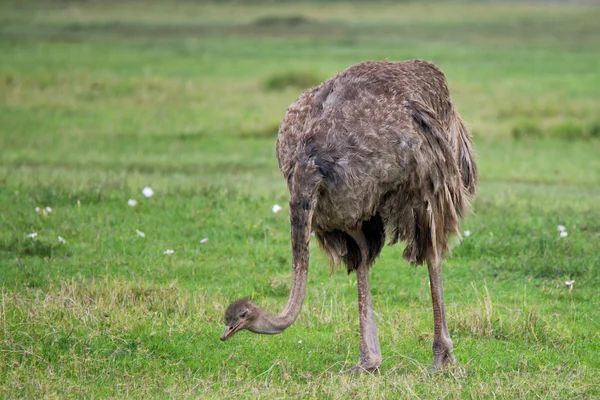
(240, 315)
(244, 314)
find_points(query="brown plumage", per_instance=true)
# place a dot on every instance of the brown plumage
(376, 152)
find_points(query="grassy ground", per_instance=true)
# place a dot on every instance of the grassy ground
(97, 102)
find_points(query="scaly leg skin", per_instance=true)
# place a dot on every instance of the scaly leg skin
(442, 344)
(370, 352)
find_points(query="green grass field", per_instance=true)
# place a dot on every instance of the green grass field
(100, 99)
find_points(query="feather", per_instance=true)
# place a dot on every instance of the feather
(396, 160)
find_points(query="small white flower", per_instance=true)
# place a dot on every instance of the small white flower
(204, 240)
(299, 341)
(570, 283)
(561, 228)
(48, 209)
(131, 203)
(147, 191)
(169, 252)
(563, 234)
(467, 233)
(276, 208)
(62, 240)
(142, 234)
(37, 209)
(32, 235)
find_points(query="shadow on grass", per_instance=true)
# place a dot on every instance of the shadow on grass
(292, 79)
(565, 130)
(27, 248)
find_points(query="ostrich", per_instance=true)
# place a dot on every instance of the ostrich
(376, 152)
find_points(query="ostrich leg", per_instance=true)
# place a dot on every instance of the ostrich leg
(442, 344)
(370, 352)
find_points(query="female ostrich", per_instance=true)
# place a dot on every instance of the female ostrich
(377, 151)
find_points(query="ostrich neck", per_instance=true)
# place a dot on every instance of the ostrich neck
(301, 218)
(273, 324)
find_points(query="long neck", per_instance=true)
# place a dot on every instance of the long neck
(302, 205)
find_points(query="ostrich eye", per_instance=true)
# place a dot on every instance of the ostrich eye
(244, 314)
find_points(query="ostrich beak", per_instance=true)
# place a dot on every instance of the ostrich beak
(231, 330)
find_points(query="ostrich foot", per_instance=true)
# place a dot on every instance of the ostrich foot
(368, 367)
(442, 355)
(442, 361)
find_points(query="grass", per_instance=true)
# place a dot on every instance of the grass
(98, 102)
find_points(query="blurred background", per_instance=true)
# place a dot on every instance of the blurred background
(109, 292)
(186, 86)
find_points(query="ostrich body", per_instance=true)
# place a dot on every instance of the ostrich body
(376, 152)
